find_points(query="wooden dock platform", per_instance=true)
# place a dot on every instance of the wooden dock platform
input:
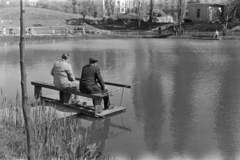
(79, 109)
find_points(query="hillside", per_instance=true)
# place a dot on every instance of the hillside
(34, 13)
(33, 16)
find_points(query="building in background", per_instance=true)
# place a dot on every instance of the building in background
(207, 12)
(209, 1)
(194, 7)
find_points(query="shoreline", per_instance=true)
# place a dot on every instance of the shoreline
(97, 36)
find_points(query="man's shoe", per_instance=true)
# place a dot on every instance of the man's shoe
(112, 106)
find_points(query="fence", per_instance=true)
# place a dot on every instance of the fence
(61, 30)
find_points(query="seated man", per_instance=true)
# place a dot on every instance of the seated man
(92, 82)
(216, 35)
(63, 76)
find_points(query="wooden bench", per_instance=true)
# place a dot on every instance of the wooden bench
(65, 94)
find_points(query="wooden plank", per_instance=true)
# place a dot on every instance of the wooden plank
(37, 92)
(59, 106)
(111, 111)
(90, 111)
(113, 84)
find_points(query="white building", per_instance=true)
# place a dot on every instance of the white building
(120, 6)
(32, 2)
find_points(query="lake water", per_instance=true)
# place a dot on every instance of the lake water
(184, 102)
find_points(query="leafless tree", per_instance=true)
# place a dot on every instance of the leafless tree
(151, 6)
(230, 10)
(74, 3)
(112, 5)
(181, 10)
(86, 7)
(139, 8)
(25, 106)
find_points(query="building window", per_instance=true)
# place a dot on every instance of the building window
(198, 13)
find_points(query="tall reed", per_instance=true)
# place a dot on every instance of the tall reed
(54, 138)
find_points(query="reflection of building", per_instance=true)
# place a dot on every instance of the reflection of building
(205, 12)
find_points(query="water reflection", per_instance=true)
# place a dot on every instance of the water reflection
(98, 131)
(184, 98)
(147, 95)
(182, 110)
(226, 112)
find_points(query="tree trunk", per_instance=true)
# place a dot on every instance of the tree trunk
(25, 107)
(84, 17)
(151, 11)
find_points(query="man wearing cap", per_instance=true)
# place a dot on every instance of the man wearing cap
(63, 76)
(92, 82)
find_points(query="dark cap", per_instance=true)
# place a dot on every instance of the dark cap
(65, 56)
(92, 60)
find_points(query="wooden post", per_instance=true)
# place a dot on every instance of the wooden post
(25, 107)
(37, 92)
(98, 106)
(65, 97)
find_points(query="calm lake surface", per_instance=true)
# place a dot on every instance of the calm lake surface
(184, 103)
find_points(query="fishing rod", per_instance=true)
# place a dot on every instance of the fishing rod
(105, 70)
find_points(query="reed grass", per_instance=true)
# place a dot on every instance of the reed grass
(54, 138)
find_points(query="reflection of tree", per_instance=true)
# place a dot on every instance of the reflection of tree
(109, 6)
(98, 132)
(182, 109)
(227, 113)
(147, 97)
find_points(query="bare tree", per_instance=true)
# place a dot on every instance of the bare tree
(139, 8)
(107, 7)
(74, 3)
(151, 6)
(181, 10)
(86, 7)
(25, 106)
(230, 10)
(112, 6)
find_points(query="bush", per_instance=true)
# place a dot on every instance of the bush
(187, 20)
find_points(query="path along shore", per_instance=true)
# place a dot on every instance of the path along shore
(107, 36)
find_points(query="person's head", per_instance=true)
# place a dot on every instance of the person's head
(93, 61)
(65, 56)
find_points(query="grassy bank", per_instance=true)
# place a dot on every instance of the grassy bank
(34, 16)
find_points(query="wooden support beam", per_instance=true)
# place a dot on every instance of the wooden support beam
(37, 92)
(65, 97)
